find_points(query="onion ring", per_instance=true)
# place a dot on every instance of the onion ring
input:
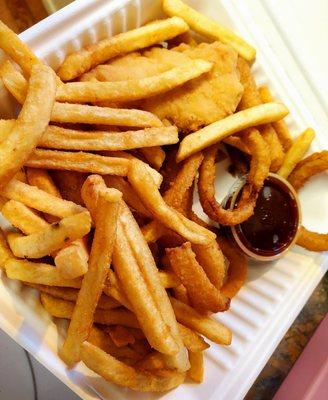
(304, 170)
(259, 170)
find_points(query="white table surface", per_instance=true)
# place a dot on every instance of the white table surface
(304, 24)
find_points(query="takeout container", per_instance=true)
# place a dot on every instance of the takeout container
(273, 295)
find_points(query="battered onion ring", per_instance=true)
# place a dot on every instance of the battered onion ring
(305, 169)
(259, 169)
(237, 271)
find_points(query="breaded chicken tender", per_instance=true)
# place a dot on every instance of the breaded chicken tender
(198, 102)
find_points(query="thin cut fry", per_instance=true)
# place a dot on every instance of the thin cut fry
(155, 156)
(208, 27)
(81, 61)
(237, 142)
(5, 252)
(69, 184)
(23, 217)
(14, 81)
(191, 340)
(40, 200)
(56, 137)
(251, 98)
(94, 279)
(144, 185)
(132, 89)
(78, 161)
(30, 124)
(121, 374)
(40, 273)
(208, 327)
(11, 44)
(213, 133)
(64, 309)
(70, 294)
(99, 338)
(129, 195)
(196, 371)
(120, 335)
(237, 272)
(72, 260)
(168, 279)
(81, 113)
(137, 292)
(51, 238)
(296, 152)
(149, 272)
(157, 177)
(280, 127)
(202, 293)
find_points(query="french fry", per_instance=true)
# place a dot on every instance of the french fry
(64, 309)
(168, 279)
(42, 180)
(149, 272)
(251, 98)
(120, 335)
(72, 260)
(78, 161)
(138, 294)
(40, 273)
(101, 339)
(81, 113)
(112, 288)
(155, 156)
(202, 293)
(81, 61)
(192, 340)
(144, 186)
(11, 44)
(196, 371)
(70, 294)
(296, 152)
(23, 217)
(132, 89)
(14, 81)
(100, 258)
(129, 195)
(129, 274)
(51, 238)
(208, 27)
(280, 127)
(216, 132)
(56, 137)
(237, 142)
(30, 124)
(157, 177)
(208, 327)
(40, 200)
(69, 184)
(121, 374)
(5, 252)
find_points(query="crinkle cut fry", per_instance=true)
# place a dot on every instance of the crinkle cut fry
(304, 170)
(202, 293)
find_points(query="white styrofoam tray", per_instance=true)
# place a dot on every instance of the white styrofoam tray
(273, 294)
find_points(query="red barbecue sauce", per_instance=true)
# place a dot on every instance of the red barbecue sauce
(275, 221)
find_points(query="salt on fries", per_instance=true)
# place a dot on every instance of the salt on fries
(138, 306)
(214, 133)
(81, 61)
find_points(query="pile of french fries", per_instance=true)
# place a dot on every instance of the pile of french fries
(109, 245)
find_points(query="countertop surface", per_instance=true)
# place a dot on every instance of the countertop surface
(41, 384)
